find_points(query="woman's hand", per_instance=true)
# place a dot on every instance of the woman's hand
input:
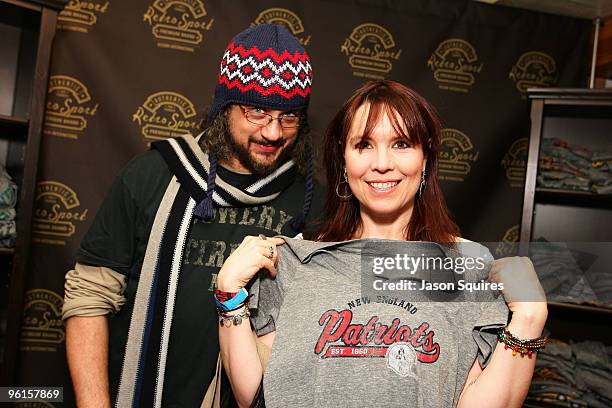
(522, 290)
(253, 254)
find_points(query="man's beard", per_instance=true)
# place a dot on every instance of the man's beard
(243, 154)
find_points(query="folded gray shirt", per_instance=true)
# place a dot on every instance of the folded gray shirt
(338, 345)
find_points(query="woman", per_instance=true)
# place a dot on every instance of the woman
(381, 161)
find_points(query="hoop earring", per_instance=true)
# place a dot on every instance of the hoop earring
(344, 181)
(422, 185)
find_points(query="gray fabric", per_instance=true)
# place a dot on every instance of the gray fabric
(596, 380)
(561, 277)
(318, 282)
(578, 373)
(592, 353)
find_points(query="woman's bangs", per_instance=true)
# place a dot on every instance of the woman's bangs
(400, 126)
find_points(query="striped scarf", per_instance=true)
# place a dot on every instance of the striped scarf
(142, 375)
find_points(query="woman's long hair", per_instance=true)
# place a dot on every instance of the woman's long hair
(430, 219)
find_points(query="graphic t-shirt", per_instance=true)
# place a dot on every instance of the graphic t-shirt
(118, 239)
(338, 345)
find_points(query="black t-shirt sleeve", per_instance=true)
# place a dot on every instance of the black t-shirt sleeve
(110, 241)
(119, 233)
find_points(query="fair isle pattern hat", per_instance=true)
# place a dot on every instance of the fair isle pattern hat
(263, 66)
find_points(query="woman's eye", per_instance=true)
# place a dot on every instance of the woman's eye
(362, 145)
(402, 144)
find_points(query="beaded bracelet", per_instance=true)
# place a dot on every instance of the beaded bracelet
(226, 319)
(524, 347)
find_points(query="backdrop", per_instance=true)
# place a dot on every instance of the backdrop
(126, 73)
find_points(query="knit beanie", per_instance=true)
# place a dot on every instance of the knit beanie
(263, 66)
(266, 67)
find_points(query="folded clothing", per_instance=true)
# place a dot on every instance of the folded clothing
(572, 167)
(8, 191)
(572, 375)
(566, 274)
(8, 234)
(7, 214)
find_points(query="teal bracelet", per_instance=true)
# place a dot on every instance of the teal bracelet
(232, 303)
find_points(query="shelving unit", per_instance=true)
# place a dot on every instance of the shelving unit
(573, 198)
(13, 127)
(581, 117)
(31, 28)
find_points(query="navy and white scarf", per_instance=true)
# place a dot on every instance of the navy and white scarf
(143, 370)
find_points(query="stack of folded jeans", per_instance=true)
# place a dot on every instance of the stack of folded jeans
(8, 198)
(572, 375)
(567, 275)
(567, 166)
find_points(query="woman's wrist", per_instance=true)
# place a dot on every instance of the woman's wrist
(529, 324)
(227, 285)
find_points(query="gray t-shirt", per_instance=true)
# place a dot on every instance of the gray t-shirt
(338, 346)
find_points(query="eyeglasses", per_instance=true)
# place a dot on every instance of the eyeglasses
(256, 117)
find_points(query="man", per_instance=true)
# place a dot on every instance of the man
(141, 326)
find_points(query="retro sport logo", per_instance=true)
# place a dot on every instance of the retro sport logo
(534, 70)
(371, 50)
(455, 65)
(165, 114)
(178, 24)
(69, 106)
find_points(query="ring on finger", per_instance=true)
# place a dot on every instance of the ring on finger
(262, 236)
(270, 252)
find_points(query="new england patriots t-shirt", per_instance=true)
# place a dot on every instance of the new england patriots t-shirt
(338, 345)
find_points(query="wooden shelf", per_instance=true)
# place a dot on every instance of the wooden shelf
(578, 115)
(7, 251)
(581, 308)
(577, 94)
(572, 322)
(36, 20)
(13, 128)
(574, 198)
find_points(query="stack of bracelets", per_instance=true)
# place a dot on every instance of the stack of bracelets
(232, 307)
(524, 347)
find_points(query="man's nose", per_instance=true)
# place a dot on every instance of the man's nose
(273, 130)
